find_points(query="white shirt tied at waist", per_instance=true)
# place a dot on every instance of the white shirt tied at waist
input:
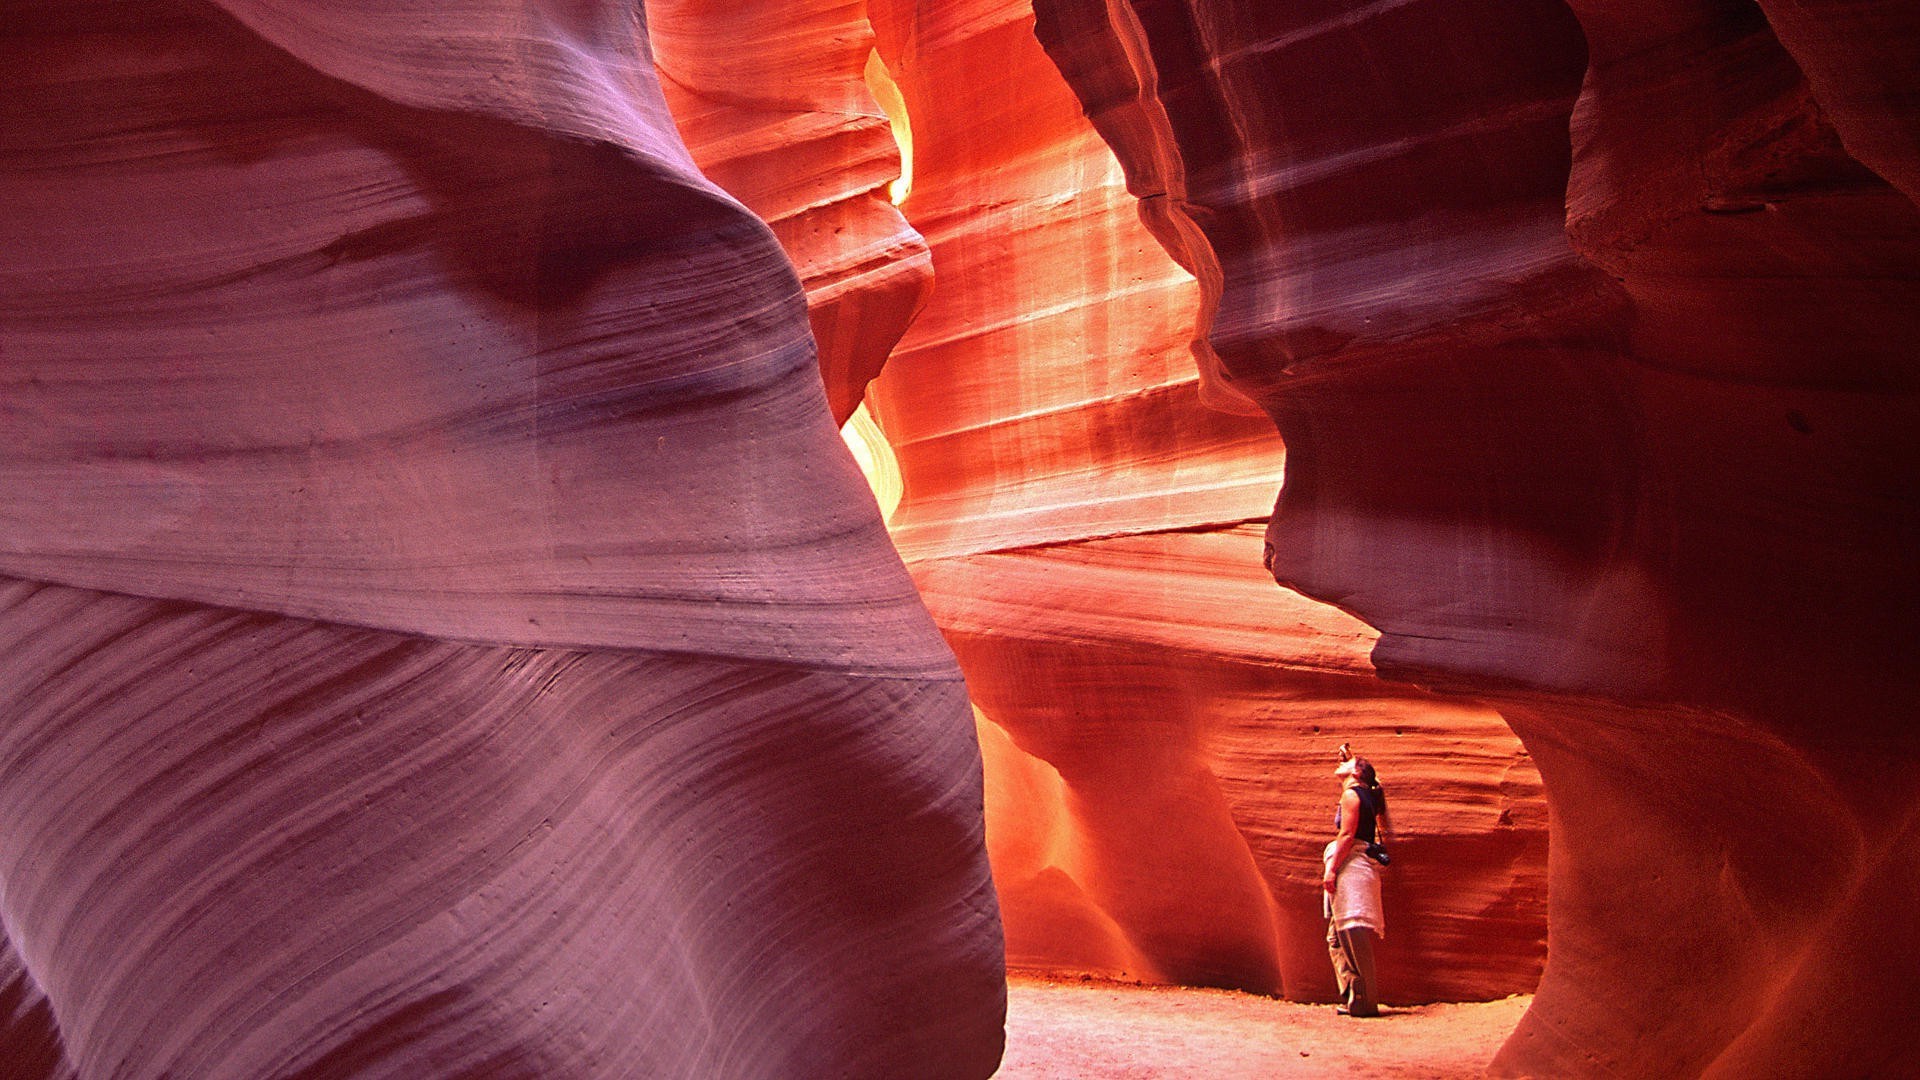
(1356, 892)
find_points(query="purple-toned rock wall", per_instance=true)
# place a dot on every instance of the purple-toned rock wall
(444, 633)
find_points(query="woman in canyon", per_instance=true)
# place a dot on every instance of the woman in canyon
(1355, 922)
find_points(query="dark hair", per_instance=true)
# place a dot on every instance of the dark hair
(1363, 771)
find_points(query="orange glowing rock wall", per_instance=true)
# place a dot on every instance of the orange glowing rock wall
(773, 102)
(1157, 721)
(1591, 333)
(442, 632)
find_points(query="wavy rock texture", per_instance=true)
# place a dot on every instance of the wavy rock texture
(1158, 724)
(772, 100)
(1590, 334)
(444, 632)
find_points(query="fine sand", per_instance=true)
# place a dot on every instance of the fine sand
(1096, 1030)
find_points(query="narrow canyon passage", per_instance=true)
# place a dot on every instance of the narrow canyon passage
(1520, 331)
(444, 631)
(1157, 720)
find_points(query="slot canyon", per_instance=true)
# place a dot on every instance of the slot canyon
(573, 538)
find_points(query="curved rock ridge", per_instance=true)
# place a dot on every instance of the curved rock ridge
(243, 845)
(444, 633)
(1158, 725)
(496, 461)
(1590, 333)
(774, 104)
(1857, 62)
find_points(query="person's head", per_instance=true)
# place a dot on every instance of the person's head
(1358, 768)
(1363, 771)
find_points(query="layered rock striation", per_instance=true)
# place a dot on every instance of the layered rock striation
(1590, 334)
(444, 633)
(1082, 509)
(774, 103)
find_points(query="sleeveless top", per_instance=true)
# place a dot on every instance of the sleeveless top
(1369, 811)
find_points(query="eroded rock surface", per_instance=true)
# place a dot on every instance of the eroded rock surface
(774, 104)
(443, 631)
(1082, 512)
(1590, 333)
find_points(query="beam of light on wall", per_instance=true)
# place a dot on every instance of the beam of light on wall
(887, 93)
(875, 455)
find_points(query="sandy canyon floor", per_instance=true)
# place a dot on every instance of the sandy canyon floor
(1071, 1029)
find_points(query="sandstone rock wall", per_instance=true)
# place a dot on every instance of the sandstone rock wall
(441, 631)
(773, 102)
(1590, 334)
(1082, 508)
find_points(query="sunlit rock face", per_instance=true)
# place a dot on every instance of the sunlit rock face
(1083, 515)
(773, 101)
(1591, 335)
(441, 631)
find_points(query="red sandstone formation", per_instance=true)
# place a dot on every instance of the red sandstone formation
(1590, 334)
(773, 102)
(443, 631)
(1158, 724)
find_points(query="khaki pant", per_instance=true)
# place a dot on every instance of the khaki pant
(1352, 952)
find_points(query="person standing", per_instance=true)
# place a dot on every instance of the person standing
(1351, 882)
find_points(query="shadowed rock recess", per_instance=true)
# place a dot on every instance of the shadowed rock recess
(442, 632)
